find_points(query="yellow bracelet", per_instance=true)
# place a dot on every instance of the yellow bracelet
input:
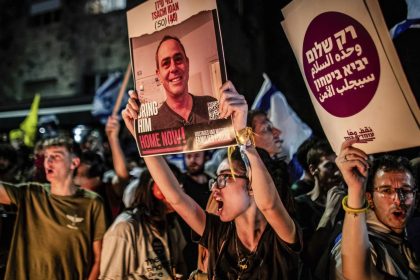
(245, 137)
(353, 211)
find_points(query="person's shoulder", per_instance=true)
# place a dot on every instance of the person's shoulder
(30, 186)
(123, 221)
(90, 195)
(124, 225)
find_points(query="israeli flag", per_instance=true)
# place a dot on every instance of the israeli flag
(106, 96)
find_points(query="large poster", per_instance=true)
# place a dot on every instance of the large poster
(352, 72)
(178, 67)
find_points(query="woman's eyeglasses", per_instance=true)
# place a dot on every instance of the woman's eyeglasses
(220, 180)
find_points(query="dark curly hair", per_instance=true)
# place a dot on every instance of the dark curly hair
(388, 163)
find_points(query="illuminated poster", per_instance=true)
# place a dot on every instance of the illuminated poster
(178, 66)
(352, 72)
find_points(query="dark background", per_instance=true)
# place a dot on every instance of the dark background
(253, 39)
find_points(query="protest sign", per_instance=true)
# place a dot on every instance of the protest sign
(177, 78)
(353, 74)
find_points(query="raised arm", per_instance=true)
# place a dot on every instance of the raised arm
(112, 129)
(353, 165)
(265, 193)
(4, 196)
(184, 205)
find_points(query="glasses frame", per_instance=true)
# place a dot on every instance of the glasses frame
(213, 181)
(397, 191)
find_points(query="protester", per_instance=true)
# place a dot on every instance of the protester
(254, 236)
(181, 107)
(121, 169)
(381, 199)
(267, 137)
(59, 227)
(125, 173)
(145, 241)
(89, 177)
(311, 206)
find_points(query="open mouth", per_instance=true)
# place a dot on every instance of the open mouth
(399, 214)
(219, 205)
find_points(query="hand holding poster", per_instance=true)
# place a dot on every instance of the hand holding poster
(178, 67)
(352, 73)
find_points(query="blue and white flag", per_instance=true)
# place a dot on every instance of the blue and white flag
(412, 20)
(294, 130)
(106, 96)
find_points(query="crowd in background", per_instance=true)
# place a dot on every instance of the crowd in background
(126, 186)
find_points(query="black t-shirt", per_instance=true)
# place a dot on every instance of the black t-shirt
(272, 259)
(308, 215)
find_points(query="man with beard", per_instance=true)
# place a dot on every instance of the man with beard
(196, 184)
(381, 199)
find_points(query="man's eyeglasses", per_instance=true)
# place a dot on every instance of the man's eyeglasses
(404, 194)
(220, 180)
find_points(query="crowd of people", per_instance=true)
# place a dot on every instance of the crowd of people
(90, 210)
(85, 211)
